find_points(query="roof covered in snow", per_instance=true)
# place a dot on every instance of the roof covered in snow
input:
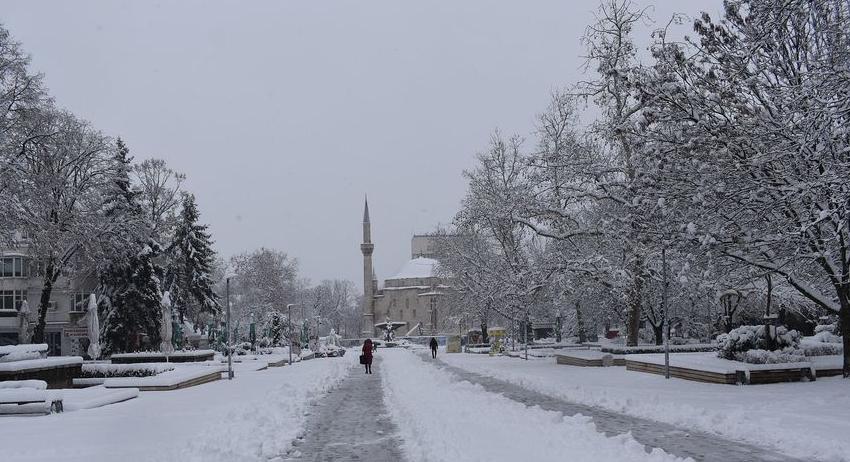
(417, 268)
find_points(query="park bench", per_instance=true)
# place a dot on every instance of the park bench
(29, 401)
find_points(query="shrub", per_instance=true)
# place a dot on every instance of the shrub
(824, 336)
(124, 370)
(822, 349)
(746, 338)
(789, 355)
(830, 328)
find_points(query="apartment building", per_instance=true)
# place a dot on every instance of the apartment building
(21, 282)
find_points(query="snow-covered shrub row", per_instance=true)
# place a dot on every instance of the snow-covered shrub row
(640, 349)
(821, 349)
(125, 370)
(824, 336)
(830, 328)
(758, 356)
(10, 353)
(745, 338)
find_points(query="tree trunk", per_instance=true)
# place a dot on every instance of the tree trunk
(844, 328)
(44, 303)
(658, 332)
(634, 300)
(770, 341)
(484, 337)
(582, 334)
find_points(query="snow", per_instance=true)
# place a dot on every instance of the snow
(589, 354)
(159, 354)
(799, 419)
(711, 363)
(443, 420)
(56, 361)
(105, 369)
(34, 384)
(251, 418)
(27, 394)
(11, 353)
(164, 379)
(93, 397)
(417, 268)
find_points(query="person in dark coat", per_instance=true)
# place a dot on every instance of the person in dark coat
(433, 344)
(367, 355)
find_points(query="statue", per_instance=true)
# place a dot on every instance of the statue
(165, 327)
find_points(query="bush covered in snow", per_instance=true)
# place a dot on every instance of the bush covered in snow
(789, 355)
(821, 349)
(824, 336)
(830, 328)
(642, 349)
(101, 371)
(736, 343)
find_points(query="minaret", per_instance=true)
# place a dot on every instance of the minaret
(368, 327)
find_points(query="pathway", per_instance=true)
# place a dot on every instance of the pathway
(700, 446)
(350, 424)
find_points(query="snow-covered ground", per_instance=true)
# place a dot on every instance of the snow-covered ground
(443, 420)
(251, 418)
(806, 420)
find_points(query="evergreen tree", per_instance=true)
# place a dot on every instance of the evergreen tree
(134, 308)
(130, 284)
(193, 258)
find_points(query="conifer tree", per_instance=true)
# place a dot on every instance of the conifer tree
(189, 274)
(134, 306)
(130, 285)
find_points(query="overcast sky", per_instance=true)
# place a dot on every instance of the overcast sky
(283, 115)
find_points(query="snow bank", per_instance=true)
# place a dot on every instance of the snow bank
(797, 418)
(93, 397)
(236, 420)
(442, 420)
(264, 427)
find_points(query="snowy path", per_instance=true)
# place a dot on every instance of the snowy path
(350, 424)
(684, 443)
(441, 419)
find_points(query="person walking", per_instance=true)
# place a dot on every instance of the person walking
(366, 357)
(433, 345)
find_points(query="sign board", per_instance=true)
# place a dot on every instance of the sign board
(453, 344)
(75, 332)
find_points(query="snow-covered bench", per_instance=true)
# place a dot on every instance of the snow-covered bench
(9, 353)
(57, 371)
(28, 397)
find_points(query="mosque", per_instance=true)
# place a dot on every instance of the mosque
(414, 296)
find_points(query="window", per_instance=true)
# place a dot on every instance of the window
(13, 267)
(406, 303)
(12, 299)
(79, 304)
(414, 313)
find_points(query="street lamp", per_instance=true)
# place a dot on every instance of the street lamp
(289, 335)
(229, 340)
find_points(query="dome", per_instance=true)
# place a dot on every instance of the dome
(417, 268)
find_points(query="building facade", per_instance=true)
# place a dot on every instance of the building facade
(415, 295)
(20, 293)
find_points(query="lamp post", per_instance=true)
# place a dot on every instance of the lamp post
(229, 340)
(665, 326)
(289, 333)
